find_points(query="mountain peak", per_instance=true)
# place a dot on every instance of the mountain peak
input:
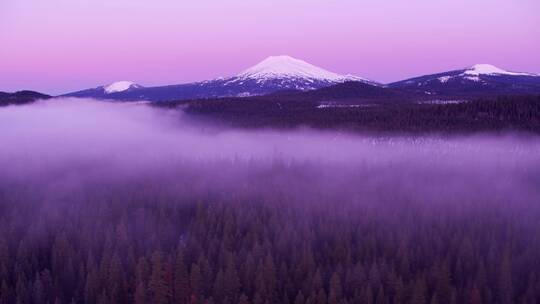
(120, 86)
(288, 67)
(488, 69)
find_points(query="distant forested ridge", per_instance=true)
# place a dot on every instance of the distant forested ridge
(390, 114)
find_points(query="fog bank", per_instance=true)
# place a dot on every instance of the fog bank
(64, 144)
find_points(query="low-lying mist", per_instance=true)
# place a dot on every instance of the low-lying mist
(70, 141)
(92, 192)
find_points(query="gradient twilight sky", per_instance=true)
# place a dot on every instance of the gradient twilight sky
(58, 46)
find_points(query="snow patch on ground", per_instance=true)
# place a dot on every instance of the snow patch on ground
(245, 94)
(444, 79)
(472, 78)
(441, 101)
(337, 105)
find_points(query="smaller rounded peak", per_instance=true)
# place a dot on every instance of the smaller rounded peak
(484, 68)
(120, 86)
(489, 69)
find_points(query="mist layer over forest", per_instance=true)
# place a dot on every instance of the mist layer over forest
(104, 202)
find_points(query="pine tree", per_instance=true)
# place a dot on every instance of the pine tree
(219, 286)
(419, 292)
(38, 293)
(243, 299)
(5, 293)
(321, 297)
(269, 276)
(181, 280)
(367, 294)
(91, 287)
(140, 294)
(157, 287)
(195, 282)
(443, 288)
(102, 299)
(299, 298)
(335, 291)
(115, 280)
(232, 282)
(22, 290)
(4, 257)
(505, 281)
(475, 297)
(380, 296)
(399, 292)
(142, 271)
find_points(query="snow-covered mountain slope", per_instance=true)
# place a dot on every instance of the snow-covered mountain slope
(120, 86)
(279, 73)
(277, 67)
(488, 69)
(275, 73)
(109, 91)
(475, 80)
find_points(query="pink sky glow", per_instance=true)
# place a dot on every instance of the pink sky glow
(58, 46)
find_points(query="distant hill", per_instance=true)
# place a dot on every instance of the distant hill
(349, 91)
(477, 80)
(21, 97)
(486, 114)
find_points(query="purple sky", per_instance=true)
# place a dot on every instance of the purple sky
(57, 46)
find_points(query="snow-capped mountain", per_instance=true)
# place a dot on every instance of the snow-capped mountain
(275, 73)
(474, 80)
(120, 86)
(488, 69)
(286, 67)
(108, 91)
